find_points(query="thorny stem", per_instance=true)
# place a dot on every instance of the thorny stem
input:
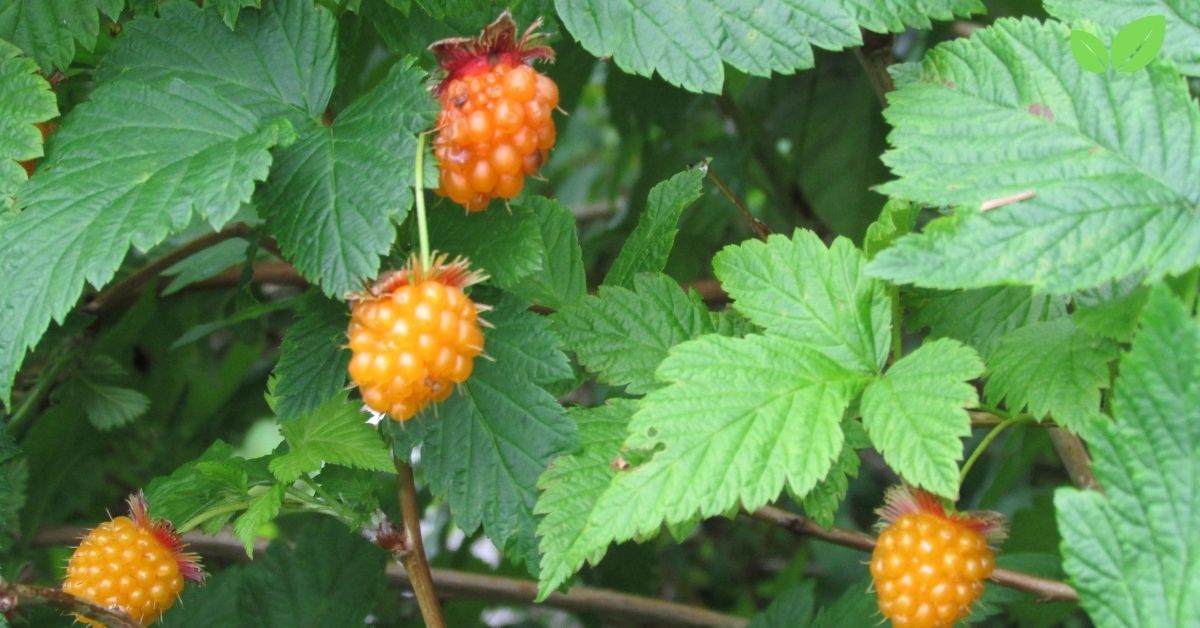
(14, 595)
(875, 55)
(1075, 458)
(45, 382)
(756, 225)
(1043, 589)
(897, 324)
(413, 554)
(419, 195)
(121, 292)
(983, 444)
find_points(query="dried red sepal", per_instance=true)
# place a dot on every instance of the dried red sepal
(903, 500)
(497, 43)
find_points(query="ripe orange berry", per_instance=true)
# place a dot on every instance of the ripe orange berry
(413, 336)
(131, 563)
(928, 566)
(495, 126)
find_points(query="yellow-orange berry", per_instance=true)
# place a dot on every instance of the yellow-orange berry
(413, 337)
(133, 564)
(495, 126)
(928, 566)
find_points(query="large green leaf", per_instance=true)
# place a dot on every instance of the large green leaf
(279, 61)
(487, 444)
(170, 150)
(25, 98)
(980, 317)
(1133, 551)
(47, 30)
(800, 289)
(1009, 110)
(335, 433)
(623, 335)
(560, 279)
(1182, 43)
(230, 9)
(312, 358)
(334, 196)
(1053, 368)
(507, 246)
(742, 418)
(894, 15)
(648, 247)
(572, 486)
(688, 42)
(916, 413)
(330, 578)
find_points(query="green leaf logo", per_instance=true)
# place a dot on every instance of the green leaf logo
(1089, 51)
(1136, 45)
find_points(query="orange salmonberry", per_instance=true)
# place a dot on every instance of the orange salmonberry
(413, 336)
(132, 564)
(46, 128)
(495, 127)
(929, 566)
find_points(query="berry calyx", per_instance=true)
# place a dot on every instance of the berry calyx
(929, 566)
(133, 563)
(413, 335)
(495, 126)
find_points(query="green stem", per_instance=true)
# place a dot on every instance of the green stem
(419, 195)
(897, 324)
(983, 444)
(217, 511)
(29, 405)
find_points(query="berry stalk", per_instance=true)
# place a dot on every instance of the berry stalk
(419, 196)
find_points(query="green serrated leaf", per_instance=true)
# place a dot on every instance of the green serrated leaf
(312, 359)
(892, 16)
(279, 62)
(334, 433)
(193, 153)
(742, 418)
(507, 246)
(573, 484)
(1130, 551)
(96, 387)
(262, 510)
(824, 500)
(896, 219)
(1182, 23)
(1111, 310)
(487, 444)
(794, 607)
(47, 30)
(217, 477)
(980, 318)
(1138, 43)
(646, 249)
(560, 281)
(206, 264)
(688, 43)
(623, 335)
(1089, 51)
(331, 577)
(819, 296)
(334, 196)
(916, 413)
(1054, 368)
(1016, 113)
(25, 99)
